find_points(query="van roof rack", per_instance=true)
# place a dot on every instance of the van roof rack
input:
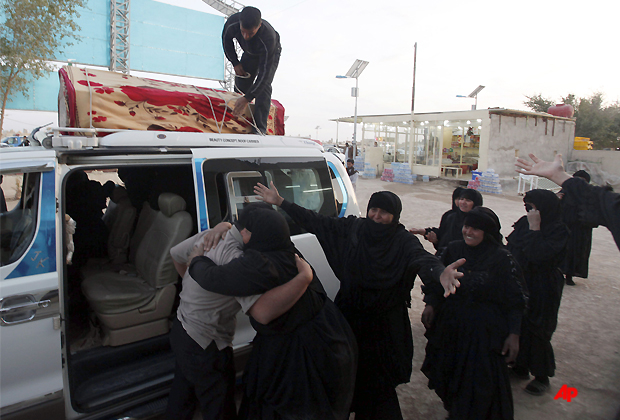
(81, 138)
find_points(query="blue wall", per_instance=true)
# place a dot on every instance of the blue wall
(163, 39)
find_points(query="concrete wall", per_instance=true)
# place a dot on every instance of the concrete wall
(602, 165)
(609, 160)
(517, 135)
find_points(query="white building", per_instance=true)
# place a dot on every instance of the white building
(455, 143)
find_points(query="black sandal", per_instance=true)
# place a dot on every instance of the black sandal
(519, 373)
(536, 387)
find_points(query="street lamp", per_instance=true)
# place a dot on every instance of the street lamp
(354, 72)
(474, 95)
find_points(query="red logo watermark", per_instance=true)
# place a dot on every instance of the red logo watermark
(566, 392)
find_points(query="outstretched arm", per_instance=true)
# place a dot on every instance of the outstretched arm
(279, 300)
(597, 205)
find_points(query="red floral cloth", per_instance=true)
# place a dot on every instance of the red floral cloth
(104, 99)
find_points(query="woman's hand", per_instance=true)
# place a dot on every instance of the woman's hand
(449, 277)
(428, 315)
(417, 231)
(550, 170)
(511, 348)
(213, 236)
(305, 270)
(432, 237)
(533, 217)
(268, 195)
(198, 251)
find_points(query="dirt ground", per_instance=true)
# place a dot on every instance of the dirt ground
(586, 342)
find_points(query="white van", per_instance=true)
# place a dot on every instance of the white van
(84, 330)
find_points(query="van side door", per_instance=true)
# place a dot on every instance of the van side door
(30, 354)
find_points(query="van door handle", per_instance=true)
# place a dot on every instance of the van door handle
(32, 306)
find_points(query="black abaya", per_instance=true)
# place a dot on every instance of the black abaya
(596, 205)
(463, 360)
(376, 265)
(303, 361)
(540, 253)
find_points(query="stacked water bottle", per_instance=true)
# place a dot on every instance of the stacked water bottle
(370, 171)
(388, 175)
(487, 181)
(402, 173)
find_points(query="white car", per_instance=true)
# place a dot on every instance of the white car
(107, 355)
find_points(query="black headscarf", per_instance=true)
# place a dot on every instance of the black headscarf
(485, 219)
(456, 194)
(388, 201)
(582, 174)
(270, 231)
(548, 204)
(473, 195)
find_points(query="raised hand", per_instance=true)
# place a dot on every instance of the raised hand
(550, 170)
(268, 195)
(449, 277)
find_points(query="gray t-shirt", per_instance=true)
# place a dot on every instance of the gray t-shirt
(208, 316)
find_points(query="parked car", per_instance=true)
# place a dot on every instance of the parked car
(107, 355)
(12, 141)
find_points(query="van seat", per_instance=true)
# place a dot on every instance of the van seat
(145, 220)
(135, 306)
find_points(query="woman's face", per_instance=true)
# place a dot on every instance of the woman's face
(465, 204)
(529, 206)
(472, 236)
(378, 215)
(246, 235)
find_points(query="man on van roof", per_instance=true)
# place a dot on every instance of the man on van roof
(261, 54)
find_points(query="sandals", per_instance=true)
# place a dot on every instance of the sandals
(536, 388)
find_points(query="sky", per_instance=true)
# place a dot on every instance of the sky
(514, 49)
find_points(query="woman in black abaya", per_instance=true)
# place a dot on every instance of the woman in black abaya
(450, 227)
(474, 333)
(376, 261)
(538, 242)
(580, 240)
(431, 234)
(303, 362)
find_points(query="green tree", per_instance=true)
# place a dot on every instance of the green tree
(593, 119)
(537, 103)
(32, 33)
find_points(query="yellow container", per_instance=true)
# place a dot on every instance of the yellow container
(582, 143)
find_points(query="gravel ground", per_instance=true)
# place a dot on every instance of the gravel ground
(586, 342)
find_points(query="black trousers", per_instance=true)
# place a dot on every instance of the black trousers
(263, 99)
(203, 376)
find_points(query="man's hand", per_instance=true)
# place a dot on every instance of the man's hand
(533, 217)
(511, 348)
(427, 316)
(550, 170)
(213, 236)
(239, 70)
(449, 277)
(268, 195)
(240, 105)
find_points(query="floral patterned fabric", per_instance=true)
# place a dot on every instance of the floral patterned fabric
(104, 99)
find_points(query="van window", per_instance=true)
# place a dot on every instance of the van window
(301, 181)
(18, 222)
